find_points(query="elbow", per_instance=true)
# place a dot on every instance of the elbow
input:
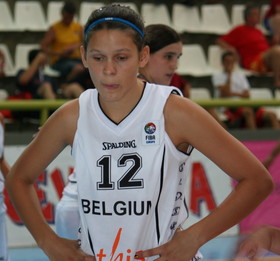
(266, 186)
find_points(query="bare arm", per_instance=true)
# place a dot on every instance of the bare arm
(49, 37)
(33, 68)
(265, 237)
(4, 166)
(186, 122)
(224, 45)
(226, 92)
(186, 90)
(57, 133)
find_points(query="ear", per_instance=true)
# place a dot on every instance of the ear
(83, 55)
(144, 56)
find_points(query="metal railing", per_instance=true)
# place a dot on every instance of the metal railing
(45, 106)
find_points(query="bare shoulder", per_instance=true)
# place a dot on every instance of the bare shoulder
(180, 113)
(185, 121)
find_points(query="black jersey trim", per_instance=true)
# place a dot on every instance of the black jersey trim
(187, 209)
(189, 150)
(90, 243)
(160, 189)
(117, 123)
(174, 91)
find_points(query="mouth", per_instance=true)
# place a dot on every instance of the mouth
(110, 86)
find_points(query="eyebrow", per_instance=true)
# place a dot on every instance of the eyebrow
(116, 51)
(173, 53)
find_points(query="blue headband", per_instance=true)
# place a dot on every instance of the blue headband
(114, 19)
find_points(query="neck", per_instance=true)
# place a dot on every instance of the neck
(119, 109)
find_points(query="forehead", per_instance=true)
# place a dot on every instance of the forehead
(175, 48)
(229, 58)
(115, 38)
(254, 11)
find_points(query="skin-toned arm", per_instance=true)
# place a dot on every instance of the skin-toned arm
(223, 44)
(4, 165)
(46, 42)
(186, 122)
(186, 90)
(226, 90)
(26, 76)
(264, 238)
(53, 137)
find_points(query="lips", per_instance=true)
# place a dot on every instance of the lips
(110, 86)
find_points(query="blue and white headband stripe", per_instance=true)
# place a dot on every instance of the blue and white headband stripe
(114, 19)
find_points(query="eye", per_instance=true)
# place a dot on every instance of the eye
(121, 58)
(98, 58)
(169, 57)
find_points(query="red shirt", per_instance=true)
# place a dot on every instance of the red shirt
(178, 81)
(249, 42)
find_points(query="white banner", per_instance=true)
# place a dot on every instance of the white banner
(207, 187)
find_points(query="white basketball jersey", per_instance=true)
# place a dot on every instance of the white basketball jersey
(131, 178)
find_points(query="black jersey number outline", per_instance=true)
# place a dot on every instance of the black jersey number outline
(127, 180)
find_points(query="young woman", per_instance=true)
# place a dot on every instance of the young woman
(131, 142)
(164, 56)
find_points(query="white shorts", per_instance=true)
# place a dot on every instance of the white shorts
(67, 218)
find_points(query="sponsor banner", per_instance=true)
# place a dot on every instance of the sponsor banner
(207, 186)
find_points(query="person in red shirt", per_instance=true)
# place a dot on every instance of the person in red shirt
(251, 46)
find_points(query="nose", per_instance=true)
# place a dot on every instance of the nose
(174, 64)
(109, 68)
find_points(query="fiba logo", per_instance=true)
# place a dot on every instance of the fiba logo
(150, 128)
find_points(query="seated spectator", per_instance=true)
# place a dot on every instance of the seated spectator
(272, 20)
(251, 46)
(32, 80)
(234, 85)
(62, 43)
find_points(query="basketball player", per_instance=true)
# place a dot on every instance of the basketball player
(160, 69)
(4, 169)
(132, 142)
